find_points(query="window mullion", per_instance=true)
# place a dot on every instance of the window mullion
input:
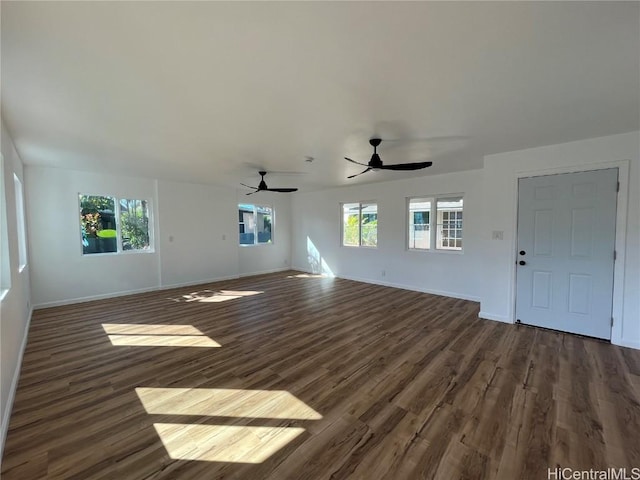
(360, 225)
(118, 231)
(255, 224)
(433, 224)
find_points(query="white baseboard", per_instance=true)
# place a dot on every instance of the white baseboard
(197, 282)
(442, 293)
(264, 272)
(304, 269)
(497, 318)
(628, 344)
(123, 293)
(413, 288)
(6, 415)
(70, 301)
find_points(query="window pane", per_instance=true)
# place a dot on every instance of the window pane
(5, 271)
(98, 224)
(20, 217)
(264, 218)
(351, 224)
(369, 225)
(419, 229)
(247, 218)
(134, 224)
(449, 232)
(255, 224)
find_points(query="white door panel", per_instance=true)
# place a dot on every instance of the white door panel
(566, 239)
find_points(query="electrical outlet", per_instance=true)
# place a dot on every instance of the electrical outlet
(384, 273)
(497, 235)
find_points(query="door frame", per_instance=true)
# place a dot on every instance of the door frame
(620, 239)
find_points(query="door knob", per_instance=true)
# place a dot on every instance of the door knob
(522, 262)
(522, 252)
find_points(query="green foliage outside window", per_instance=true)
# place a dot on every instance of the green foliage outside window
(134, 224)
(101, 229)
(369, 232)
(356, 232)
(351, 230)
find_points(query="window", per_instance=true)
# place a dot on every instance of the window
(134, 221)
(419, 225)
(5, 272)
(109, 225)
(255, 223)
(20, 218)
(360, 224)
(449, 224)
(446, 234)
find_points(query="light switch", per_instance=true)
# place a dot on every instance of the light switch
(497, 235)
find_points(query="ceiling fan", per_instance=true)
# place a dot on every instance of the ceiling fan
(262, 186)
(376, 164)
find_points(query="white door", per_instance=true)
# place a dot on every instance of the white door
(566, 239)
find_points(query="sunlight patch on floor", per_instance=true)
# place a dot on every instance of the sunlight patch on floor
(163, 341)
(149, 329)
(224, 443)
(225, 402)
(149, 335)
(215, 296)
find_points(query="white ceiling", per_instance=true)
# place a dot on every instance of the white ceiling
(209, 91)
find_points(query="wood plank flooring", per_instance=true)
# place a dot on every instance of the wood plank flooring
(291, 376)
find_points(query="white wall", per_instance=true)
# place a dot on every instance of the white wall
(486, 269)
(500, 176)
(193, 220)
(317, 220)
(15, 309)
(275, 256)
(59, 271)
(195, 232)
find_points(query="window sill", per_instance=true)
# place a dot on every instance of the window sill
(435, 250)
(111, 254)
(247, 245)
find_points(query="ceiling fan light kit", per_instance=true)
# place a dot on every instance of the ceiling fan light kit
(376, 163)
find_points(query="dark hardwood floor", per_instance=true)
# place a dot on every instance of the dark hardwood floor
(290, 376)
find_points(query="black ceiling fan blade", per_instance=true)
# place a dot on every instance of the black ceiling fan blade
(262, 187)
(364, 171)
(357, 163)
(406, 166)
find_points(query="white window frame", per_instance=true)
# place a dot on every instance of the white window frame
(360, 206)
(21, 224)
(5, 274)
(255, 236)
(433, 223)
(116, 213)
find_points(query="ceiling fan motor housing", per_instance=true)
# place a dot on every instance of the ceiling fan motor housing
(375, 161)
